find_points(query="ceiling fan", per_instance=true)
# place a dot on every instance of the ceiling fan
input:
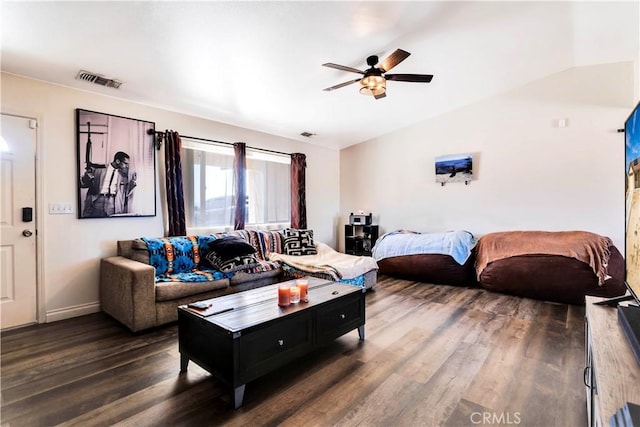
(374, 79)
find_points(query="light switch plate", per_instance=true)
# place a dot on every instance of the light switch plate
(60, 208)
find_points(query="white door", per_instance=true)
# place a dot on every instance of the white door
(18, 303)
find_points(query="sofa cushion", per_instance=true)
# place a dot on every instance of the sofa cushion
(173, 254)
(139, 251)
(168, 291)
(298, 242)
(246, 276)
(243, 234)
(204, 275)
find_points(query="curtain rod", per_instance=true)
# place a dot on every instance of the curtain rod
(160, 136)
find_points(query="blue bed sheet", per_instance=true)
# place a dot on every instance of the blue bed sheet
(457, 244)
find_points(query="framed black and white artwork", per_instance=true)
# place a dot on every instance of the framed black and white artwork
(116, 166)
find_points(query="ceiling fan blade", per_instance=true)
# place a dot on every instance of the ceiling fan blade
(394, 59)
(342, 67)
(420, 78)
(382, 95)
(338, 86)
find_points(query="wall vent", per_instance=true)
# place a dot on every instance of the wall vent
(98, 79)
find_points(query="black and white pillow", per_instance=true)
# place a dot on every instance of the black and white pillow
(230, 254)
(230, 247)
(298, 242)
(241, 262)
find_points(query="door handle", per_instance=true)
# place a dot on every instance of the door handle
(27, 233)
(586, 374)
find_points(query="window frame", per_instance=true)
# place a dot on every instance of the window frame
(189, 147)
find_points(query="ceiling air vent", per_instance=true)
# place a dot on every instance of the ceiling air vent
(307, 134)
(98, 79)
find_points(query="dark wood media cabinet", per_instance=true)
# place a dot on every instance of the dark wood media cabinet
(245, 335)
(612, 374)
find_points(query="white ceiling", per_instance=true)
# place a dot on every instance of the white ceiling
(258, 64)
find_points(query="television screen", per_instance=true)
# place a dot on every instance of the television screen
(632, 201)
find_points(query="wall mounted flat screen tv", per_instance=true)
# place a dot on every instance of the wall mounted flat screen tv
(632, 202)
(629, 317)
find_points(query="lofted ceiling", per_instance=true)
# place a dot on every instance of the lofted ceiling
(258, 65)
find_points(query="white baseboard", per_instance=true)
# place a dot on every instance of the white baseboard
(75, 311)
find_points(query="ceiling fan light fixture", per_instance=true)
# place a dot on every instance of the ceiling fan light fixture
(374, 79)
(373, 85)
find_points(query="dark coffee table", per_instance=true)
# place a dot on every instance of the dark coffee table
(245, 335)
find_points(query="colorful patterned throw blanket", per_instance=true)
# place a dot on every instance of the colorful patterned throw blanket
(294, 273)
(194, 276)
(177, 259)
(457, 244)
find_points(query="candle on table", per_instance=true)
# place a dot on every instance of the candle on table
(284, 295)
(295, 294)
(303, 284)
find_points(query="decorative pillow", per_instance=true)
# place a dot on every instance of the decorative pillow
(240, 262)
(246, 235)
(267, 242)
(229, 247)
(298, 242)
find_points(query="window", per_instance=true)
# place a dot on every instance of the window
(268, 188)
(207, 174)
(207, 171)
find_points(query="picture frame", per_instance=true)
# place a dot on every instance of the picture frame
(454, 168)
(116, 166)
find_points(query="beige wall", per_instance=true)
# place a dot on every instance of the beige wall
(528, 173)
(70, 249)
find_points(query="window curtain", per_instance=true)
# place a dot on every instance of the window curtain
(298, 191)
(239, 184)
(175, 195)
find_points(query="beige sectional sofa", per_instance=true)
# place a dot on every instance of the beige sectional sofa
(132, 291)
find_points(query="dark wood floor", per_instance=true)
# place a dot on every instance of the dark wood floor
(433, 356)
